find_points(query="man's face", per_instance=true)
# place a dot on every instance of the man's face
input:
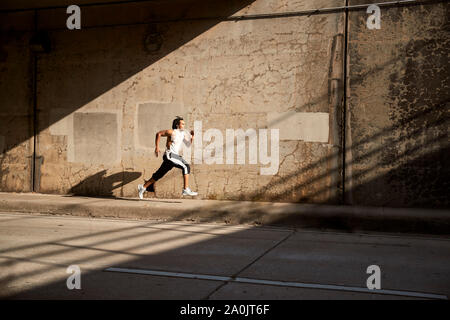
(181, 125)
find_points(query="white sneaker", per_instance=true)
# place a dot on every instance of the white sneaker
(188, 192)
(141, 190)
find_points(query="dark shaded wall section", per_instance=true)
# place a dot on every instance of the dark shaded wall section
(398, 108)
(16, 102)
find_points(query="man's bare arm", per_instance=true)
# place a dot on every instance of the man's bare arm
(164, 133)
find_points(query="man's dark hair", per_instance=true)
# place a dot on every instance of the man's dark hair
(176, 122)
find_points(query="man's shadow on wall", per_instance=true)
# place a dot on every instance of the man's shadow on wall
(102, 185)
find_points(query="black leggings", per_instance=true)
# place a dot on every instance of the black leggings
(171, 160)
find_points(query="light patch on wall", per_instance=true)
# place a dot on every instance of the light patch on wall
(305, 126)
(96, 137)
(63, 124)
(152, 117)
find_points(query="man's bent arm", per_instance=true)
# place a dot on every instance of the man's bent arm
(164, 133)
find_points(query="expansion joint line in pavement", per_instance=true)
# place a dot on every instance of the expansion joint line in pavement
(234, 276)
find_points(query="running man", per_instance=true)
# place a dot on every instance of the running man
(175, 137)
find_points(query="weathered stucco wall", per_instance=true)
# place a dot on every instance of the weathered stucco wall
(398, 111)
(105, 90)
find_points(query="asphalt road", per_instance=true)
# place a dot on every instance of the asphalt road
(126, 259)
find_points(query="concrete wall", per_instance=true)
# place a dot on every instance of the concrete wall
(105, 90)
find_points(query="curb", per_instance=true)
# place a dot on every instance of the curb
(294, 215)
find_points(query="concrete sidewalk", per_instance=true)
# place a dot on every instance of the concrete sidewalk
(309, 216)
(126, 259)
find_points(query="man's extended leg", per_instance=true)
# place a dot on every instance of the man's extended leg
(150, 183)
(186, 190)
(165, 167)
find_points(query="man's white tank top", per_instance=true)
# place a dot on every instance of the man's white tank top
(177, 139)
